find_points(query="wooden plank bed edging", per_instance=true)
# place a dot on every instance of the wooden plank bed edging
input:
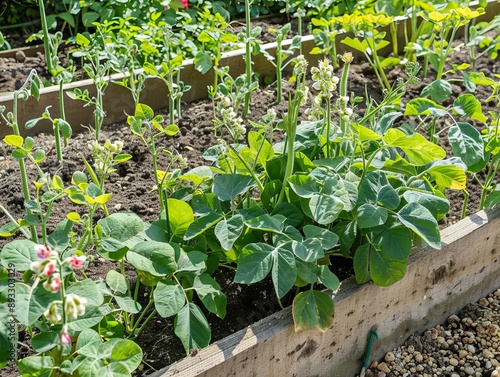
(438, 283)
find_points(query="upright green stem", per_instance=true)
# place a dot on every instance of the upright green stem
(377, 66)
(464, 204)
(290, 122)
(22, 166)
(46, 41)
(394, 38)
(490, 177)
(343, 90)
(248, 57)
(279, 63)
(328, 126)
(171, 99)
(444, 54)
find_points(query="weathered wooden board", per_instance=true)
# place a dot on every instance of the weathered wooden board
(438, 283)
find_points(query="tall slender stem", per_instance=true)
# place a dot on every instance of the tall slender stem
(46, 41)
(22, 166)
(248, 57)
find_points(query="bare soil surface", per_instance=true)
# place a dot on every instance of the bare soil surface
(131, 188)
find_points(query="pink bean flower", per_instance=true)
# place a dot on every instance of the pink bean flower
(53, 284)
(49, 268)
(43, 251)
(76, 262)
(186, 3)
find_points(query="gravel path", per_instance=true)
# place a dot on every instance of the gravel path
(468, 344)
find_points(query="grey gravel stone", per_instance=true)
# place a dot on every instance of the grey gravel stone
(468, 344)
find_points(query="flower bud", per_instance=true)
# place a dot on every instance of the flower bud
(64, 336)
(36, 267)
(52, 315)
(347, 57)
(74, 305)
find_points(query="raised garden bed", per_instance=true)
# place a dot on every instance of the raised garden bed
(423, 298)
(464, 270)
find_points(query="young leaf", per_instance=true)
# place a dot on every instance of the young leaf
(468, 104)
(169, 298)
(418, 149)
(14, 141)
(228, 231)
(466, 143)
(418, 218)
(209, 292)
(438, 90)
(227, 186)
(284, 271)
(254, 263)
(180, 216)
(312, 309)
(370, 216)
(192, 328)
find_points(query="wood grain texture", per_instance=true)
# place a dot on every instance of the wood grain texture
(438, 283)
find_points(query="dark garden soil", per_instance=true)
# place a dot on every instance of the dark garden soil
(131, 187)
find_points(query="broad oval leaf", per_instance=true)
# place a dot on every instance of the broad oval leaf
(466, 143)
(417, 148)
(228, 186)
(370, 215)
(192, 328)
(156, 258)
(228, 231)
(418, 218)
(169, 298)
(312, 309)
(254, 263)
